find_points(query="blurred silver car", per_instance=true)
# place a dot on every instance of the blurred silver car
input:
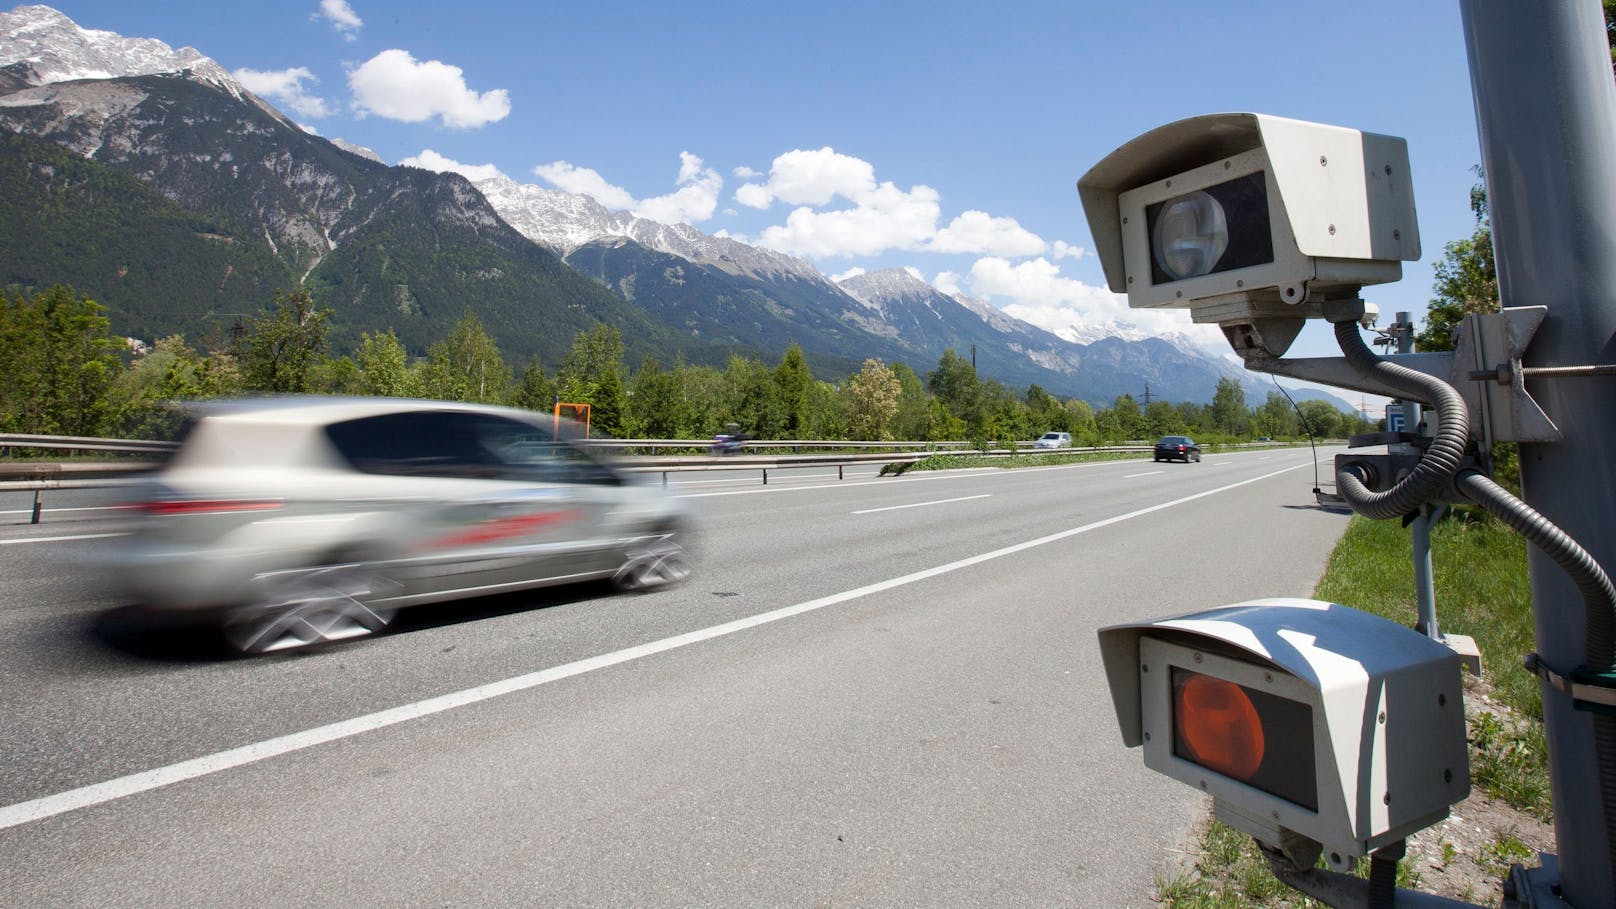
(299, 521)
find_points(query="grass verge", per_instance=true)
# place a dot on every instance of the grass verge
(963, 461)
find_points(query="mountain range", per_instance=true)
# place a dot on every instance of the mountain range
(150, 180)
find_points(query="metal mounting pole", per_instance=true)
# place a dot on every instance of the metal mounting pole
(1546, 112)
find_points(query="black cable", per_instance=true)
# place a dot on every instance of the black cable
(1301, 418)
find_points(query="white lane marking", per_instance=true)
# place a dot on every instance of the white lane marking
(1129, 476)
(82, 536)
(145, 781)
(923, 504)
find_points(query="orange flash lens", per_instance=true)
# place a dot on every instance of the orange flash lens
(1219, 726)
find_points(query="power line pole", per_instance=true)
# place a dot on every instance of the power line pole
(1546, 112)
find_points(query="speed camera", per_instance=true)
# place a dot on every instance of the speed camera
(1316, 728)
(1246, 216)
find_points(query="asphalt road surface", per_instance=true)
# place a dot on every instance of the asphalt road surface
(872, 692)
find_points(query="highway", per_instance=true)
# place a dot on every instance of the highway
(872, 692)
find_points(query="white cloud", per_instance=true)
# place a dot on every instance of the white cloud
(431, 160)
(1063, 250)
(393, 84)
(914, 273)
(1035, 291)
(978, 232)
(853, 272)
(308, 129)
(693, 202)
(754, 196)
(585, 182)
(285, 87)
(882, 218)
(948, 282)
(744, 173)
(816, 177)
(877, 216)
(342, 17)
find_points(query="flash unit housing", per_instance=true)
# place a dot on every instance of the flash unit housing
(1360, 737)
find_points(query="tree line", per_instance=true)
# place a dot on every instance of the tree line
(69, 375)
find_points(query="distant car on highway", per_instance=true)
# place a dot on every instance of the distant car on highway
(1053, 440)
(296, 521)
(1177, 448)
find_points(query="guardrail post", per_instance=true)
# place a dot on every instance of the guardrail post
(765, 476)
(39, 502)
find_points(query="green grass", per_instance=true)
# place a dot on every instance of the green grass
(963, 461)
(1482, 591)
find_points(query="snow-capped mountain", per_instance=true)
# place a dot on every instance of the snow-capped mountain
(56, 49)
(563, 222)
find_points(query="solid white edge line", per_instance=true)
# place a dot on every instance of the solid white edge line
(145, 781)
(1151, 473)
(924, 504)
(82, 536)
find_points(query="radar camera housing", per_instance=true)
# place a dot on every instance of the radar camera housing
(1252, 220)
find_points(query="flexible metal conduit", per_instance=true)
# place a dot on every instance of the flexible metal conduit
(1598, 594)
(1430, 478)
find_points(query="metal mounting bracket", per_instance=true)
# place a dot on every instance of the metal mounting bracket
(1494, 343)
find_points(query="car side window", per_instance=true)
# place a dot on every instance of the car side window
(414, 444)
(444, 443)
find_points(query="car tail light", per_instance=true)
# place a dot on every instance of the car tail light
(170, 507)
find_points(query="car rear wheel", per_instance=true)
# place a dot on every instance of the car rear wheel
(659, 562)
(308, 606)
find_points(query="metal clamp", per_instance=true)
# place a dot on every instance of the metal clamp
(1589, 690)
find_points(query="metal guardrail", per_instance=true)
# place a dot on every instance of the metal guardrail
(82, 443)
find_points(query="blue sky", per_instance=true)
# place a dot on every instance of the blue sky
(942, 136)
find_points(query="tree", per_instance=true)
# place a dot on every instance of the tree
(955, 386)
(280, 350)
(1228, 412)
(792, 381)
(657, 408)
(534, 391)
(749, 398)
(872, 395)
(466, 366)
(1323, 420)
(592, 373)
(1466, 279)
(913, 420)
(61, 363)
(385, 366)
(1275, 418)
(170, 371)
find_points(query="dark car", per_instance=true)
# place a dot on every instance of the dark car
(1177, 448)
